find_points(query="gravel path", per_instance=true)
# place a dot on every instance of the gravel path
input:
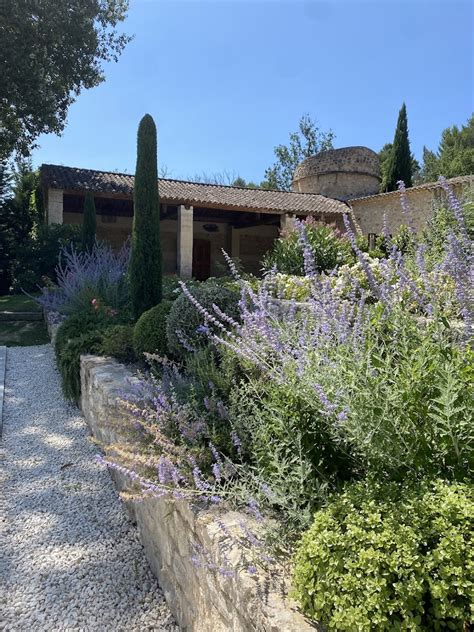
(69, 557)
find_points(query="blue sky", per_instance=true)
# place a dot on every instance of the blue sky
(227, 80)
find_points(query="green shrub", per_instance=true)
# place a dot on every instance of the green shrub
(217, 366)
(292, 287)
(329, 250)
(117, 341)
(75, 326)
(390, 558)
(288, 444)
(184, 319)
(149, 334)
(78, 334)
(38, 257)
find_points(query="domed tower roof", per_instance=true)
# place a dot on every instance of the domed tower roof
(342, 173)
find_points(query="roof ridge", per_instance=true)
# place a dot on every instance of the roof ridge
(210, 184)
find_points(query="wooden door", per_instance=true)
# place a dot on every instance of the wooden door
(201, 259)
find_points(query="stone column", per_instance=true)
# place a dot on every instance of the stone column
(286, 221)
(185, 242)
(55, 206)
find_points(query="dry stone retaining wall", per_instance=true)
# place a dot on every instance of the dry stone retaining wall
(202, 600)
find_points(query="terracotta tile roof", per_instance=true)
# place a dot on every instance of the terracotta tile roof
(195, 193)
(460, 180)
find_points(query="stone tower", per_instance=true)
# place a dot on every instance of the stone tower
(341, 174)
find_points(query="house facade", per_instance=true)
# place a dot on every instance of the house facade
(199, 220)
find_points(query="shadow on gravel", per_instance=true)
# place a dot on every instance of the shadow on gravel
(67, 538)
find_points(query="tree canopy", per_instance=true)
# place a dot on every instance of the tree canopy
(306, 141)
(399, 163)
(385, 156)
(455, 155)
(146, 261)
(50, 50)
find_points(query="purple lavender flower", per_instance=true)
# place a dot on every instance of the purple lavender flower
(236, 442)
(216, 470)
(199, 482)
(254, 508)
(405, 207)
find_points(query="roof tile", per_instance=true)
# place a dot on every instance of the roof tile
(196, 193)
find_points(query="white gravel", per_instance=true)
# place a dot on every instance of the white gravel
(69, 557)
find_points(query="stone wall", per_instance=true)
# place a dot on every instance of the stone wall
(201, 599)
(339, 173)
(422, 200)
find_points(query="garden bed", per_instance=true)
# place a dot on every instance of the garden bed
(200, 597)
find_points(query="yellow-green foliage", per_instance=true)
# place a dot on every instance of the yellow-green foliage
(390, 558)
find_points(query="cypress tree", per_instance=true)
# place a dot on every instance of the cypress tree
(400, 167)
(145, 262)
(88, 223)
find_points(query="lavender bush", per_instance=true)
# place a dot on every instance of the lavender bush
(84, 276)
(375, 380)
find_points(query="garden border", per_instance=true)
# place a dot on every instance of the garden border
(201, 599)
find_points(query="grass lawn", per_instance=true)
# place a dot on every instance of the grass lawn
(23, 333)
(18, 303)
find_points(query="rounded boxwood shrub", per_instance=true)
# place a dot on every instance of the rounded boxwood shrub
(184, 318)
(149, 334)
(117, 341)
(388, 557)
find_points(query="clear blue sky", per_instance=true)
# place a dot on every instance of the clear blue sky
(227, 80)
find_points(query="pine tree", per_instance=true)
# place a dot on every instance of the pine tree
(400, 167)
(145, 262)
(88, 223)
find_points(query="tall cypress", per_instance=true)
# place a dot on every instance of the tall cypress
(89, 223)
(400, 166)
(145, 262)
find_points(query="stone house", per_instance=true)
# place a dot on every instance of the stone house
(199, 220)
(352, 174)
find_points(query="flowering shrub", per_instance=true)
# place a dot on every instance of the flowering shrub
(370, 380)
(390, 557)
(291, 287)
(384, 386)
(84, 277)
(328, 249)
